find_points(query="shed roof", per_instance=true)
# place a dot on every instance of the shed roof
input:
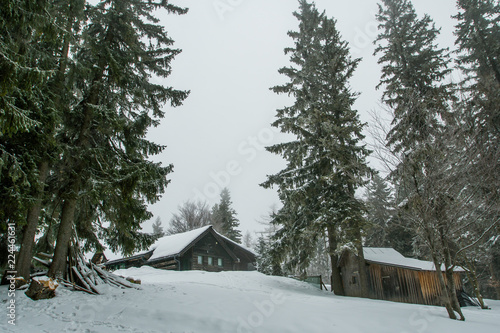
(391, 257)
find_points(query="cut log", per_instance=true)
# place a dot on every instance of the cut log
(46, 263)
(85, 276)
(42, 288)
(75, 286)
(86, 283)
(115, 278)
(45, 255)
(21, 283)
(132, 280)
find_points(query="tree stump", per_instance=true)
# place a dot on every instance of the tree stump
(42, 288)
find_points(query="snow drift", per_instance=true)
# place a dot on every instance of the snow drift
(203, 302)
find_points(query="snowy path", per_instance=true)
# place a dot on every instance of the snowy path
(240, 302)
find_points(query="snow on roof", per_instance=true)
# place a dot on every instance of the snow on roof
(174, 244)
(392, 257)
(171, 245)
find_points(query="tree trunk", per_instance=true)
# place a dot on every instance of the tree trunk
(472, 276)
(25, 255)
(450, 281)
(363, 276)
(58, 266)
(336, 281)
(445, 297)
(26, 252)
(452, 292)
(494, 280)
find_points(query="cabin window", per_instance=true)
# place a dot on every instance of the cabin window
(200, 260)
(354, 279)
(210, 260)
(219, 262)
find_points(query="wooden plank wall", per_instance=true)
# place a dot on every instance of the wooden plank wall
(405, 285)
(394, 284)
(166, 264)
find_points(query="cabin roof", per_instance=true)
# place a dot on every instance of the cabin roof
(137, 256)
(174, 244)
(178, 244)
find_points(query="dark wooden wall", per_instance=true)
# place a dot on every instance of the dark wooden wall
(208, 246)
(395, 284)
(169, 264)
(136, 262)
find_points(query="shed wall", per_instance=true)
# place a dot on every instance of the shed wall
(395, 284)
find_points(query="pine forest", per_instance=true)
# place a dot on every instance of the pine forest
(83, 83)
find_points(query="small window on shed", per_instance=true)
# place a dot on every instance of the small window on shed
(354, 279)
(210, 260)
(200, 260)
(219, 262)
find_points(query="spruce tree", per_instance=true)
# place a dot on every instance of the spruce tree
(106, 174)
(478, 39)
(478, 36)
(263, 259)
(41, 42)
(326, 161)
(21, 24)
(158, 228)
(247, 240)
(413, 69)
(22, 76)
(386, 228)
(267, 263)
(379, 206)
(224, 217)
(413, 74)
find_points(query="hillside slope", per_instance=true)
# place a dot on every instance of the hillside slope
(202, 302)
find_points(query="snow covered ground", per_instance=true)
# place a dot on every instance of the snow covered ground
(239, 302)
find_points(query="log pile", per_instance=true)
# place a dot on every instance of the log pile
(86, 276)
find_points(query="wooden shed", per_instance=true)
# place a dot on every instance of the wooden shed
(393, 277)
(199, 249)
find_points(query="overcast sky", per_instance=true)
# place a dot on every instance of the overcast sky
(232, 50)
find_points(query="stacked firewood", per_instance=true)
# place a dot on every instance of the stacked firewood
(85, 276)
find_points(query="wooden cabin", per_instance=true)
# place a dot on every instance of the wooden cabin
(393, 277)
(199, 249)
